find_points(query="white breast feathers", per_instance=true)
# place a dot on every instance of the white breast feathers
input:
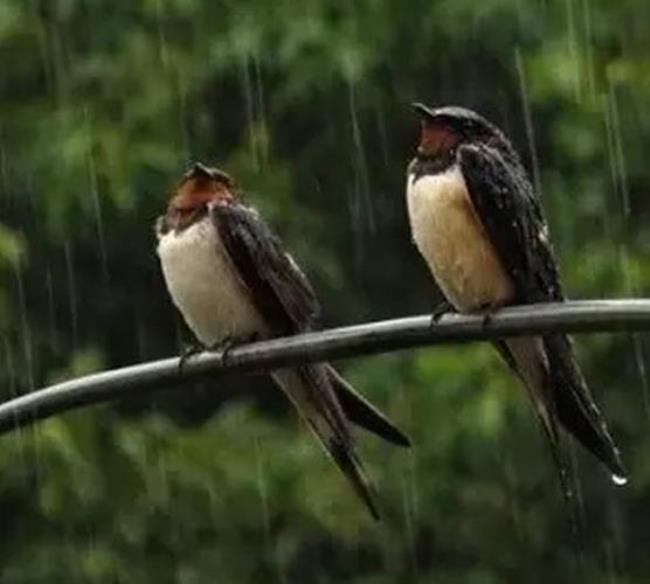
(453, 241)
(205, 285)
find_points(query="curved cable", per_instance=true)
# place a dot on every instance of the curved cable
(337, 343)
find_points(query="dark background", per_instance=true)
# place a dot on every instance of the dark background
(102, 106)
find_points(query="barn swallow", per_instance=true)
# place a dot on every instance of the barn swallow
(479, 226)
(230, 277)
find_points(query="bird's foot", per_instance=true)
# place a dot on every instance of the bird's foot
(227, 344)
(439, 311)
(487, 311)
(188, 352)
(223, 346)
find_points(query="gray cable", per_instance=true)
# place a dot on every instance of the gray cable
(337, 343)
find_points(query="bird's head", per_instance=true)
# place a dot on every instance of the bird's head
(444, 129)
(199, 186)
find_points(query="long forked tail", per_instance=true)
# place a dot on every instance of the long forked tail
(527, 358)
(310, 390)
(559, 392)
(360, 411)
(577, 409)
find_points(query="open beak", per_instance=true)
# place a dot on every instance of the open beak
(422, 110)
(198, 169)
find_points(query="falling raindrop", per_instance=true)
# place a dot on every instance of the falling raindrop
(183, 116)
(631, 290)
(528, 122)
(9, 366)
(619, 156)
(589, 57)
(641, 368)
(383, 137)
(162, 41)
(249, 99)
(362, 182)
(4, 180)
(25, 330)
(263, 141)
(574, 53)
(51, 308)
(71, 290)
(94, 192)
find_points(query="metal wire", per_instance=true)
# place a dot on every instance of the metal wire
(337, 343)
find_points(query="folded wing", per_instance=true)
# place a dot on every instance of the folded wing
(512, 217)
(285, 299)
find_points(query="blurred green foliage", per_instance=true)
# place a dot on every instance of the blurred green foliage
(103, 103)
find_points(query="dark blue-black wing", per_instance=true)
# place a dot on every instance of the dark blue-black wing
(283, 296)
(512, 217)
(510, 213)
(280, 291)
(286, 300)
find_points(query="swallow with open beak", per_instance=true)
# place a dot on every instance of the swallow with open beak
(230, 277)
(477, 223)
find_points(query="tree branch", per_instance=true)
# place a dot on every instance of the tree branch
(337, 343)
